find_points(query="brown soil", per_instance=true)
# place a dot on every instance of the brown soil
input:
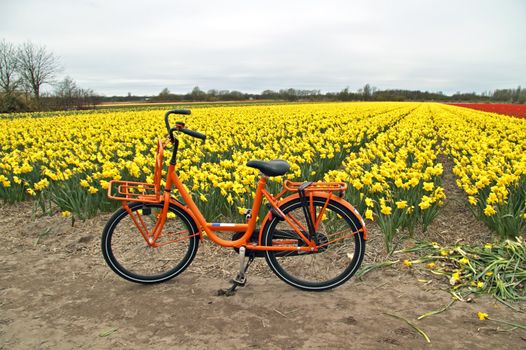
(57, 293)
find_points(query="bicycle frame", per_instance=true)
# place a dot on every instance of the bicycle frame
(248, 228)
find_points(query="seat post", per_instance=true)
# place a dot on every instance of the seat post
(261, 177)
(262, 181)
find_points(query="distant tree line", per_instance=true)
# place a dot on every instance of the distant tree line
(25, 69)
(367, 93)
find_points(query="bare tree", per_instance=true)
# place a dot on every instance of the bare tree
(8, 67)
(66, 88)
(367, 92)
(36, 66)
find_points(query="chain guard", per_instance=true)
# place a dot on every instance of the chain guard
(281, 234)
(291, 234)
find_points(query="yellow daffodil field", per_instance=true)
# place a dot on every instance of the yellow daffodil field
(392, 155)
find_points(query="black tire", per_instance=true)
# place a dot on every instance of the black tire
(129, 256)
(310, 271)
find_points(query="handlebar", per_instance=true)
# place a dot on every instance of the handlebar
(180, 126)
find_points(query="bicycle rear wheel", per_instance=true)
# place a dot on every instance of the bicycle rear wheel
(128, 255)
(338, 233)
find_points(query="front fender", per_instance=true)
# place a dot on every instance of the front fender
(321, 194)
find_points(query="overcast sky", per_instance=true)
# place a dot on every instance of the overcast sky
(121, 46)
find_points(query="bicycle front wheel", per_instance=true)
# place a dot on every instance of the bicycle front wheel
(339, 236)
(129, 255)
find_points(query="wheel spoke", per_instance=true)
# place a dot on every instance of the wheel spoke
(128, 254)
(340, 249)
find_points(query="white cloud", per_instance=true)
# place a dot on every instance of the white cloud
(139, 46)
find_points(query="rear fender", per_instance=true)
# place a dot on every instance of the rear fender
(335, 198)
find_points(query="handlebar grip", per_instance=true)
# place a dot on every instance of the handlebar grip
(193, 134)
(180, 111)
(175, 111)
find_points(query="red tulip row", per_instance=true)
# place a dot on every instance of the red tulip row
(500, 108)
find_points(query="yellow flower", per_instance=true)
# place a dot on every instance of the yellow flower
(369, 214)
(444, 252)
(455, 278)
(431, 265)
(401, 204)
(386, 210)
(489, 211)
(203, 198)
(357, 184)
(66, 213)
(369, 202)
(489, 273)
(488, 246)
(170, 215)
(464, 261)
(428, 186)
(424, 204)
(492, 198)
(435, 245)
(41, 184)
(407, 262)
(367, 179)
(482, 316)
(92, 190)
(413, 182)
(480, 284)
(483, 182)
(84, 183)
(376, 187)
(472, 200)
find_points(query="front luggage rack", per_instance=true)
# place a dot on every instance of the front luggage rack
(133, 191)
(140, 191)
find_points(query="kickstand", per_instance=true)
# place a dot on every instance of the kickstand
(240, 280)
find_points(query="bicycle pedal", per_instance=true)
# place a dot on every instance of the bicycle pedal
(239, 281)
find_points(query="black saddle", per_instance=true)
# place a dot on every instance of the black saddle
(274, 167)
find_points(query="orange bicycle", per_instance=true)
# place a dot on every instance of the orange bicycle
(312, 239)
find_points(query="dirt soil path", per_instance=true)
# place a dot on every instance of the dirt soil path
(57, 293)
